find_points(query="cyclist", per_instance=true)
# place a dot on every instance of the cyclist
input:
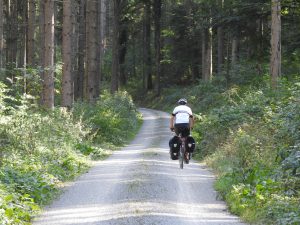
(182, 120)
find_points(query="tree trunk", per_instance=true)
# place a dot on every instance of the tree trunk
(22, 14)
(103, 22)
(99, 46)
(30, 33)
(147, 48)
(260, 45)
(48, 79)
(123, 50)
(91, 51)
(207, 54)
(1, 34)
(115, 46)
(227, 60)
(79, 79)
(157, 43)
(275, 64)
(234, 51)
(220, 49)
(134, 61)
(67, 81)
(8, 33)
(102, 33)
(204, 44)
(209, 63)
(220, 34)
(57, 31)
(41, 44)
(42, 35)
(108, 21)
(74, 45)
(12, 35)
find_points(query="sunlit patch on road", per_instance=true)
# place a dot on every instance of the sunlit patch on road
(127, 210)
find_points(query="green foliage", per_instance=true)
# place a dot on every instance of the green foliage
(41, 149)
(291, 164)
(37, 153)
(249, 134)
(27, 180)
(282, 210)
(15, 208)
(257, 155)
(111, 120)
(2, 97)
(95, 151)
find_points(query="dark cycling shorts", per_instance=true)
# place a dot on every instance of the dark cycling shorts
(183, 128)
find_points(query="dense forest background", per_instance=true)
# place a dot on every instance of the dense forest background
(70, 69)
(76, 49)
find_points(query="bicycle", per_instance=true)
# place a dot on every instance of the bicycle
(184, 156)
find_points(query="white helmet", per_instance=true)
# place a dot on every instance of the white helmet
(182, 101)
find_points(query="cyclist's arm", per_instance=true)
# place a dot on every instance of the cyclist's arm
(191, 121)
(172, 122)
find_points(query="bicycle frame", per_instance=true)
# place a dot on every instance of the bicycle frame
(182, 150)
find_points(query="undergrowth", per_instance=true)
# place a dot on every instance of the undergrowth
(40, 149)
(250, 135)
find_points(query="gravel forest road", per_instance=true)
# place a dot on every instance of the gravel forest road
(140, 185)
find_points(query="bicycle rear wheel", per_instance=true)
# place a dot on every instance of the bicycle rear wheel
(181, 156)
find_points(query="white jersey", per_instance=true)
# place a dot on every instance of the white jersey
(182, 114)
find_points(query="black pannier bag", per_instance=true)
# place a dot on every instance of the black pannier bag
(174, 145)
(190, 142)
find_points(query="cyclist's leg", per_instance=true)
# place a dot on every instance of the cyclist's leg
(177, 129)
(186, 133)
(182, 128)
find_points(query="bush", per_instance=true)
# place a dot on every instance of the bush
(41, 149)
(249, 134)
(37, 153)
(257, 158)
(15, 208)
(113, 120)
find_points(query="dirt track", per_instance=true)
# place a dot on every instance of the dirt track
(140, 185)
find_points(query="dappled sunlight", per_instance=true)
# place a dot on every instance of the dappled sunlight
(190, 178)
(140, 171)
(154, 134)
(114, 178)
(163, 209)
(147, 116)
(155, 137)
(120, 162)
